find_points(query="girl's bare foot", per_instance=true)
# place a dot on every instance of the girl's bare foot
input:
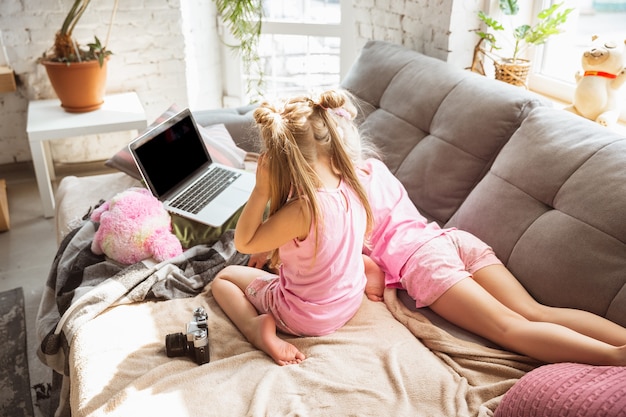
(283, 353)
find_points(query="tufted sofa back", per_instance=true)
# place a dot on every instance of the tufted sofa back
(545, 188)
(554, 206)
(437, 128)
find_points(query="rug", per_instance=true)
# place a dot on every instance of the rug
(15, 396)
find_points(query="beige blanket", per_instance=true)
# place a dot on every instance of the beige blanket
(387, 361)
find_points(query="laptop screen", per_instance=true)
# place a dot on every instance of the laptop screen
(172, 156)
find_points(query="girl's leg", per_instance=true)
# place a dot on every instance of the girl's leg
(500, 283)
(471, 307)
(259, 329)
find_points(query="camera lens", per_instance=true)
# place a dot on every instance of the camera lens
(175, 345)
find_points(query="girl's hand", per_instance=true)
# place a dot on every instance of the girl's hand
(262, 176)
(258, 260)
(254, 233)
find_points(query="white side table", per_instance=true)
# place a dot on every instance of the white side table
(48, 121)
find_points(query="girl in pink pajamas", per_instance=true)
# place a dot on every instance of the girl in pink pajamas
(459, 277)
(315, 231)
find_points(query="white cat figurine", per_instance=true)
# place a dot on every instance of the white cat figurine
(597, 95)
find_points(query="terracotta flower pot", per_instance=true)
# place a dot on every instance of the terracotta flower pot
(79, 85)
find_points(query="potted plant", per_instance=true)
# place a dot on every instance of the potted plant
(514, 69)
(78, 75)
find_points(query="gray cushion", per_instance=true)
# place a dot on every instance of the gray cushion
(461, 118)
(238, 121)
(216, 137)
(553, 208)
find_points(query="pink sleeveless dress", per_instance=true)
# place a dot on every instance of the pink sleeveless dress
(316, 293)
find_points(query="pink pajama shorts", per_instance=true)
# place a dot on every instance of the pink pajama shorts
(442, 262)
(261, 294)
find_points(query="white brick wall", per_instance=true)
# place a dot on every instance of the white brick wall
(169, 53)
(438, 28)
(150, 57)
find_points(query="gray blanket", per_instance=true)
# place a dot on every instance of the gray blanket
(81, 285)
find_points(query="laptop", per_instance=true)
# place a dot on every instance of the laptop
(177, 168)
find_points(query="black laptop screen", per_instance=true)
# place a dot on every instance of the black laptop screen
(172, 156)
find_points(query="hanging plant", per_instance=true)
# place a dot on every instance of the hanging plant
(243, 18)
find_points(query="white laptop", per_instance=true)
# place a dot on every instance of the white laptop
(174, 162)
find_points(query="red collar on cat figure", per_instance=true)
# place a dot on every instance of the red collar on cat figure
(600, 74)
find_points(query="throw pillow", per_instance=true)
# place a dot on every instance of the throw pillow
(567, 389)
(218, 141)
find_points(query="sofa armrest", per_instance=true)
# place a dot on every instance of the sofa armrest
(77, 196)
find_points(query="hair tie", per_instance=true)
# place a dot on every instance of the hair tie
(341, 112)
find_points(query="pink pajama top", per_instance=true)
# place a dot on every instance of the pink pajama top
(399, 228)
(320, 291)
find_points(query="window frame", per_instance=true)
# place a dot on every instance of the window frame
(234, 84)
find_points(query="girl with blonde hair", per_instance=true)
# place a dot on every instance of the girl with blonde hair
(315, 231)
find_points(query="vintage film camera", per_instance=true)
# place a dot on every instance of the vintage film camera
(194, 342)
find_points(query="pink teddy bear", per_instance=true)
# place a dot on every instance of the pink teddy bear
(134, 226)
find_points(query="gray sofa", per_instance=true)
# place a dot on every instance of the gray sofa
(545, 188)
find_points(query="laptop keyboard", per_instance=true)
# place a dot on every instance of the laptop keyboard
(196, 197)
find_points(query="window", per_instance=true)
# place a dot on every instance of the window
(306, 45)
(558, 61)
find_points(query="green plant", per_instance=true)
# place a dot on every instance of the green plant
(66, 49)
(243, 18)
(549, 23)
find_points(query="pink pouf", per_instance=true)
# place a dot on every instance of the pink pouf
(567, 390)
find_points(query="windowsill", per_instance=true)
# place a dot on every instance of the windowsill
(619, 127)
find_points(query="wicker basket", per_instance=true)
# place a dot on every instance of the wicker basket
(513, 73)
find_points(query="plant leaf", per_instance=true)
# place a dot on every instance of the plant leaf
(490, 22)
(520, 32)
(509, 7)
(548, 11)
